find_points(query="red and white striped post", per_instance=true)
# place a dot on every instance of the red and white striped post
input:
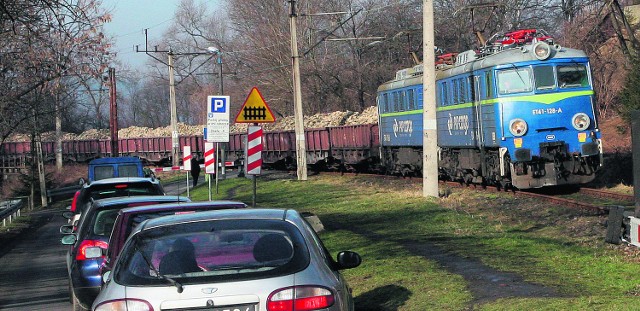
(254, 150)
(209, 162)
(254, 155)
(186, 163)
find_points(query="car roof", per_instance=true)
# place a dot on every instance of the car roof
(116, 160)
(119, 180)
(225, 214)
(181, 205)
(141, 199)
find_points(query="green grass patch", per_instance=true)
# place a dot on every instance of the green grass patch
(380, 219)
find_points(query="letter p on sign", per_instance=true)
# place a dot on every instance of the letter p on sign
(218, 105)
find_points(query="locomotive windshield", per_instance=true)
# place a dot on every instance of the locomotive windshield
(514, 81)
(546, 77)
(574, 75)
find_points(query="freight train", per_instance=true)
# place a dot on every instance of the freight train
(519, 112)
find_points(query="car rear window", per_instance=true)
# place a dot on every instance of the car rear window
(212, 251)
(103, 172)
(104, 221)
(122, 190)
(128, 170)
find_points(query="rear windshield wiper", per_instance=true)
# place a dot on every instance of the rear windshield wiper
(173, 282)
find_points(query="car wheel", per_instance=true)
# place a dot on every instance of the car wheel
(77, 306)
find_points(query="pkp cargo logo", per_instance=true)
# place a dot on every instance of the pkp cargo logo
(458, 123)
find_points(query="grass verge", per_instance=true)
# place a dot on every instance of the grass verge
(551, 246)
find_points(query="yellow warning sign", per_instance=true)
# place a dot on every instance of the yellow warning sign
(255, 109)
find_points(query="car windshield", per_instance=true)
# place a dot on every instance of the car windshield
(212, 251)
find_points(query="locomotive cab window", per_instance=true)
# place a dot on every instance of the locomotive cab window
(570, 76)
(514, 81)
(545, 78)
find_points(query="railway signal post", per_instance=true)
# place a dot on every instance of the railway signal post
(186, 163)
(254, 110)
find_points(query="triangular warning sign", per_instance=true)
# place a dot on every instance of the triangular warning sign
(255, 109)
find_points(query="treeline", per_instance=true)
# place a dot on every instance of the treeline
(55, 52)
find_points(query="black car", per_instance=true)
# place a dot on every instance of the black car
(114, 187)
(90, 241)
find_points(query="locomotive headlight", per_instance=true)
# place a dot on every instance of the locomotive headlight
(581, 121)
(518, 127)
(541, 50)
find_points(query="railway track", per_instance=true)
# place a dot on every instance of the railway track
(569, 203)
(607, 194)
(553, 199)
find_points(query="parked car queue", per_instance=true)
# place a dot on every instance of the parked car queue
(158, 252)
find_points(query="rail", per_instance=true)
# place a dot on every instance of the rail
(12, 209)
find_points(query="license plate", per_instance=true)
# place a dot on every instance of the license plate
(235, 308)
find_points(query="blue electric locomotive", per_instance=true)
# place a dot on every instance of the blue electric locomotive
(520, 112)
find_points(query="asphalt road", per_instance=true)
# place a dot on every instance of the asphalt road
(33, 273)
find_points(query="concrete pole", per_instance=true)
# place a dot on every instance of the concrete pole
(430, 133)
(635, 153)
(301, 149)
(175, 142)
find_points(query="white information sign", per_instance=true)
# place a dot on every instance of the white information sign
(218, 119)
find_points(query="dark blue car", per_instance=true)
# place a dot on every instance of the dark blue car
(91, 240)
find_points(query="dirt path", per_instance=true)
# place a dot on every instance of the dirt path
(486, 284)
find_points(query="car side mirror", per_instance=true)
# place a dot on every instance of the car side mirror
(348, 260)
(69, 239)
(66, 229)
(106, 277)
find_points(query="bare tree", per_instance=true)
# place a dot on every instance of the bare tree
(42, 42)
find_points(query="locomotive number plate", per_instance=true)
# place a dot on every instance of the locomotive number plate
(552, 110)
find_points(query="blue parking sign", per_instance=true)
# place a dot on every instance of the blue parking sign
(217, 129)
(218, 105)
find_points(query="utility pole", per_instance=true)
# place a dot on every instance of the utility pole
(113, 113)
(430, 133)
(175, 142)
(301, 152)
(174, 115)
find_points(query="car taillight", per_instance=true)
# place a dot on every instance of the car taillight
(124, 305)
(300, 298)
(90, 249)
(74, 202)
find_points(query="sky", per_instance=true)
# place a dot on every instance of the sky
(131, 17)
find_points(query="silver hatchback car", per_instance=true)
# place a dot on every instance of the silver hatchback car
(235, 260)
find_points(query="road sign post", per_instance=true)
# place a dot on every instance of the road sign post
(217, 125)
